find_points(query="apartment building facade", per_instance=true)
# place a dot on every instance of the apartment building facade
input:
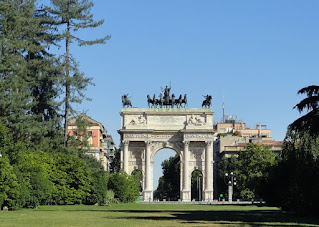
(99, 144)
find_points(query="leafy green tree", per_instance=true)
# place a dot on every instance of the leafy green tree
(33, 170)
(296, 173)
(72, 179)
(115, 165)
(124, 186)
(9, 186)
(296, 187)
(169, 184)
(71, 16)
(98, 191)
(253, 163)
(225, 165)
(138, 177)
(30, 85)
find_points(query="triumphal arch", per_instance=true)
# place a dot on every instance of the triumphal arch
(187, 131)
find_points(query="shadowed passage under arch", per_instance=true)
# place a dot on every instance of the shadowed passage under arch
(166, 176)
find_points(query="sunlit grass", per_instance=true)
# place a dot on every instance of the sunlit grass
(153, 215)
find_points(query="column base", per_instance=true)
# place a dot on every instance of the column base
(148, 196)
(208, 195)
(186, 195)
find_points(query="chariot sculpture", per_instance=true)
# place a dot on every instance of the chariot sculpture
(167, 100)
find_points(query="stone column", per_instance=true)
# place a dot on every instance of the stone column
(148, 192)
(186, 192)
(125, 156)
(208, 192)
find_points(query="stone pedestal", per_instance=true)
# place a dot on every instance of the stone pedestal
(208, 195)
(148, 196)
(186, 195)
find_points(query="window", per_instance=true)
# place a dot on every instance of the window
(75, 133)
(90, 133)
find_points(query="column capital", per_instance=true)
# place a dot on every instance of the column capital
(148, 143)
(186, 143)
(208, 143)
(125, 142)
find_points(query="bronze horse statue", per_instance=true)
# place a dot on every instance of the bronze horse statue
(125, 101)
(150, 102)
(184, 101)
(207, 102)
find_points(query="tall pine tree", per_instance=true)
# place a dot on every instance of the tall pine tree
(73, 15)
(28, 73)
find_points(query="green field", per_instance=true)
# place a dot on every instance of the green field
(153, 215)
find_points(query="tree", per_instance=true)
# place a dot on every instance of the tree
(73, 15)
(34, 170)
(138, 177)
(310, 121)
(28, 73)
(296, 173)
(80, 140)
(124, 186)
(72, 179)
(9, 186)
(30, 85)
(169, 183)
(98, 189)
(115, 165)
(225, 165)
(252, 165)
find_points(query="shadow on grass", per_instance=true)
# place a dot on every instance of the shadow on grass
(254, 218)
(238, 218)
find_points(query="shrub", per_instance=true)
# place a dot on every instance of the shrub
(124, 186)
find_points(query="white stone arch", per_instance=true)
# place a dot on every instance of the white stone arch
(189, 132)
(171, 146)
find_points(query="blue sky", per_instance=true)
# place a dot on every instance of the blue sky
(253, 54)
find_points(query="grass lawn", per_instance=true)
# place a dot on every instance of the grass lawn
(153, 215)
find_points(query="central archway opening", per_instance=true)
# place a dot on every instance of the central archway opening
(166, 175)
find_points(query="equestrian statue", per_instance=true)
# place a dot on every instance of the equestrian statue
(207, 102)
(125, 101)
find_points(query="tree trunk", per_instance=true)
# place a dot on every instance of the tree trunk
(67, 86)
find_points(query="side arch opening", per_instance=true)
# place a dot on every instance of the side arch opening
(138, 176)
(197, 185)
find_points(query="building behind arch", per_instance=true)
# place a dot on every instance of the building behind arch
(100, 144)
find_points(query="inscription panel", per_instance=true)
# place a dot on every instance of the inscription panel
(167, 120)
(136, 135)
(205, 136)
